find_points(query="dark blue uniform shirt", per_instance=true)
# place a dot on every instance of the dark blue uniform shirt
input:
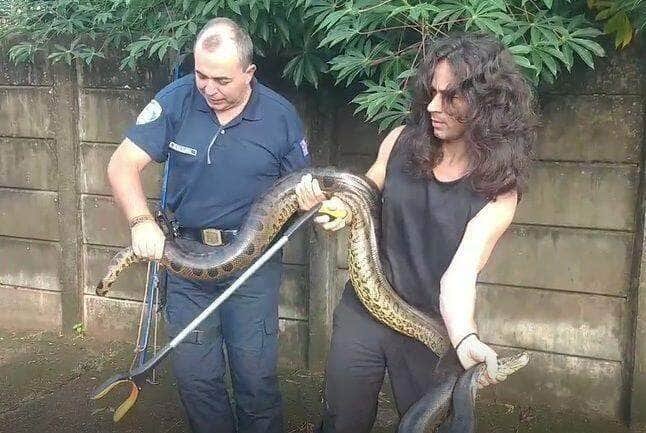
(216, 172)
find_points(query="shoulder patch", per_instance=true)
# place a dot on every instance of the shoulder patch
(151, 112)
(304, 147)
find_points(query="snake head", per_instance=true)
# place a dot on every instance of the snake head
(511, 364)
(506, 366)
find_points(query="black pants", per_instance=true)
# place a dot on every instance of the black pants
(361, 351)
(247, 323)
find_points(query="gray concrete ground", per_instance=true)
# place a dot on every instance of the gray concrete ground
(45, 382)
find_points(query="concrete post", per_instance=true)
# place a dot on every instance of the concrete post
(64, 112)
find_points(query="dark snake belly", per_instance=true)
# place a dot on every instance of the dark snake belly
(266, 218)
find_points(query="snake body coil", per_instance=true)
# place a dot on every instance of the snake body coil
(265, 220)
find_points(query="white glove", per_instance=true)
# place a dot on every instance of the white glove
(309, 193)
(334, 224)
(147, 239)
(472, 351)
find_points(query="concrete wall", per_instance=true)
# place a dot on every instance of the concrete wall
(566, 282)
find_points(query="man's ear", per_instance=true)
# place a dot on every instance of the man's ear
(251, 69)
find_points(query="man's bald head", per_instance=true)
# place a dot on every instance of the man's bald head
(224, 33)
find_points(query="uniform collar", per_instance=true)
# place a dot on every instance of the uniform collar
(251, 111)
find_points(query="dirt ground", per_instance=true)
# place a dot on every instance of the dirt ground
(46, 380)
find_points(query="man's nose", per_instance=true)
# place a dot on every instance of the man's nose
(211, 88)
(435, 106)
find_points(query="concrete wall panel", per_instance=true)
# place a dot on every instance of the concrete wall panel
(29, 214)
(568, 323)
(29, 263)
(293, 293)
(26, 309)
(28, 163)
(105, 115)
(103, 221)
(130, 284)
(590, 128)
(24, 112)
(292, 343)
(589, 261)
(581, 195)
(583, 385)
(93, 175)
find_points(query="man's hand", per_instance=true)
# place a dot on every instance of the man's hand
(147, 240)
(309, 193)
(472, 351)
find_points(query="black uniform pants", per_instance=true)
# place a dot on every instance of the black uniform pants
(361, 351)
(247, 324)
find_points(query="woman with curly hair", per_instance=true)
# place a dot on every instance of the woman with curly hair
(451, 179)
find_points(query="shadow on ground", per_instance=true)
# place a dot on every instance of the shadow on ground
(46, 380)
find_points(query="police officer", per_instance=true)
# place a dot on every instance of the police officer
(227, 139)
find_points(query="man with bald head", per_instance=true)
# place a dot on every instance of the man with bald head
(227, 139)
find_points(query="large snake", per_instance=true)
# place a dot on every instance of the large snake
(451, 387)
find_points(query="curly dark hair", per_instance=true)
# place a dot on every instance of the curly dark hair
(500, 115)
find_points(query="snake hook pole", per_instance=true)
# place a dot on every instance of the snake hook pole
(137, 377)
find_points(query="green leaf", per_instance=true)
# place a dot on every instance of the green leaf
(591, 46)
(403, 10)
(535, 35)
(283, 27)
(234, 6)
(548, 60)
(604, 14)
(588, 32)
(408, 73)
(555, 53)
(584, 54)
(547, 76)
(485, 24)
(162, 52)
(513, 37)
(569, 57)
(520, 49)
(310, 72)
(524, 62)
(211, 6)
(337, 35)
(620, 25)
(442, 15)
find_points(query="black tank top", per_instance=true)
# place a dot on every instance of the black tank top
(423, 222)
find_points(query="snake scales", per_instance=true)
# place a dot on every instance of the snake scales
(452, 387)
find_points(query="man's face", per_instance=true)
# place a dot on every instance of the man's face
(445, 126)
(220, 78)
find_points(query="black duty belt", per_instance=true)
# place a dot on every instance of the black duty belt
(209, 236)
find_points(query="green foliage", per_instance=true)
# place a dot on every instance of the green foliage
(374, 43)
(382, 42)
(623, 18)
(79, 329)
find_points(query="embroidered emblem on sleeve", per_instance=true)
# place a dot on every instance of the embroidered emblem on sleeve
(303, 144)
(151, 112)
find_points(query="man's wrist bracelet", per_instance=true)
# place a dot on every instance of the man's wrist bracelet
(139, 219)
(464, 338)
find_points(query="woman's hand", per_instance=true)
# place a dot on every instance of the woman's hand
(472, 351)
